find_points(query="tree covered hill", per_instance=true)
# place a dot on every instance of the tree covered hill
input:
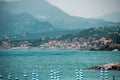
(93, 33)
(88, 35)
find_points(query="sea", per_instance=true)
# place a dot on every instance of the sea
(41, 62)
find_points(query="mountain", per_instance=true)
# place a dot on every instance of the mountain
(93, 33)
(114, 17)
(22, 23)
(45, 11)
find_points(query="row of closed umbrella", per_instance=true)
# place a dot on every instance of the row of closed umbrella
(55, 75)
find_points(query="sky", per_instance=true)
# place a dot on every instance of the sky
(87, 8)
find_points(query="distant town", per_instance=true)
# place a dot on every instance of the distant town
(96, 39)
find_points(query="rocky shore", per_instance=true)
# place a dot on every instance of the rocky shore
(110, 66)
(108, 47)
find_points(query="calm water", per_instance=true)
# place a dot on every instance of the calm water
(18, 62)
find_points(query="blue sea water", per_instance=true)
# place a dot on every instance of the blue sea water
(67, 61)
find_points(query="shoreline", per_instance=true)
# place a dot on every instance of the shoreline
(38, 49)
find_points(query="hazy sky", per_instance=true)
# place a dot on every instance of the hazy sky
(87, 8)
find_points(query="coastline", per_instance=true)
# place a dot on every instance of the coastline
(39, 49)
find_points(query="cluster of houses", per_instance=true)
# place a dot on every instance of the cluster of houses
(74, 45)
(21, 45)
(55, 44)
